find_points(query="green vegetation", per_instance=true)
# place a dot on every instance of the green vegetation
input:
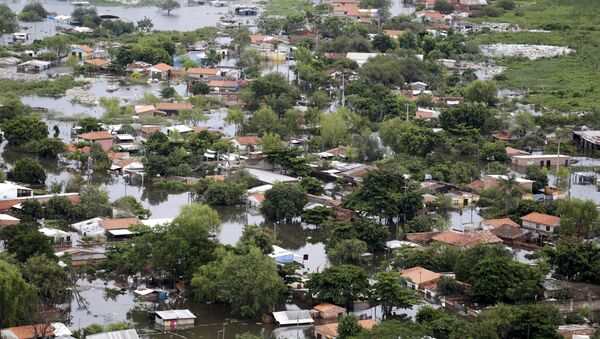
(50, 88)
(287, 7)
(565, 83)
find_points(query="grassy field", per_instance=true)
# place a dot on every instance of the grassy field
(568, 83)
(286, 7)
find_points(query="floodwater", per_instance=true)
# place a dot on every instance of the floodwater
(186, 18)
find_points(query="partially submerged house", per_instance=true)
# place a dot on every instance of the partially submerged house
(33, 66)
(161, 71)
(104, 138)
(300, 317)
(541, 225)
(123, 334)
(119, 227)
(419, 278)
(172, 108)
(329, 311)
(174, 319)
(330, 331)
(59, 237)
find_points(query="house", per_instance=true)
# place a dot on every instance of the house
(491, 224)
(329, 311)
(300, 317)
(462, 199)
(161, 71)
(174, 319)
(510, 234)
(59, 237)
(7, 220)
(541, 225)
(246, 144)
(148, 130)
(510, 151)
(493, 180)
(433, 17)
(120, 226)
(172, 108)
(104, 138)
(90, 229)
(127, 166)
(202, 73)
(453, 238)
(82, 52)
(38, 331)
(419, 278)
(224, 86)
(15, 203)
(182, 130)
(9, 190)
(100, 63)
(138, 67)
(269, 177)
(33, 66)
(123, 334)
(335, 3)
(360, 58)
(82, 257)
(576, 331)
(330, 331)
(426, 114)
(541, 160)
(255, 200)
(281, 255)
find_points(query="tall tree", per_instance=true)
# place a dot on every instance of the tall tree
(577, 217)
(16, 295)
(389, 291)
(168, 5)
(348, 327)
(23, 129)
(340, 285)
(283, 202)
(29, 171)
(51, 280)
(260, 291)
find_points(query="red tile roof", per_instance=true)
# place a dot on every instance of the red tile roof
(420, 275)
(247, 140)
(496, 223)
(27, 332)
(540, 218)
(223, 83)
(508, 232)
(466, 239)
(100, 135)
(120, 223)
(96, 62)
(84, 48)
(173, 106)
(163, 67)
(203, 71)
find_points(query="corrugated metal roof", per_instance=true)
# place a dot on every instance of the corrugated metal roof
(124, 334)
(175, 314)
(293, 317)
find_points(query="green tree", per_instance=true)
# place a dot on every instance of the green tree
(389, 292)
(50, 147)
(347, 251)
(145, 25)
(443, 6)
(405, 137)
(168, 92)
(33, 11)
(51, 280)
(268, 24)
(272, 90)
(16, 295)
(23, 129)
(8, 20)
(236, 117)
(383, 69)
(200, 88)
(577, 217)
(383, 42)
(249, 63)
(29, 171)
(538, 175)
(258, 295)
(211, 59)
(348, 327)
(168, 5)
(93, 202)
(271, 142)
(254, 236)
(26, 242)
(131, 205)
(283, 202)
(463, 118)
(334, 129)
(340, 285)
(264, 120)
(494, 151)
(312, 185)
(483, 91)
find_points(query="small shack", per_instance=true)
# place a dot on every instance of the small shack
(33, 66)
(174, 318)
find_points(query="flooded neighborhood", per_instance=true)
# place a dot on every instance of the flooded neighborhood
(299, 169)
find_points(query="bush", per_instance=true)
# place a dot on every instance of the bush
(33, 12)
(506, 4)
(29, 171)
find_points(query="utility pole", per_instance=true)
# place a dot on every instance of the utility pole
(343, 90)
(406, 105)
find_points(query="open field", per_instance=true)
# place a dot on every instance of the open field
(567, 83)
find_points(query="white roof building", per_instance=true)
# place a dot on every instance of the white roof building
(361, 58)
(10, 190)
(293, 317)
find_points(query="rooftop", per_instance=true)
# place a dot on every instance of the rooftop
(173, 106)
(247, 140)
(540, 218)
(163, 67)
(100, 135)
(496, 223)
(120, 223)
(420, 275)
(175, 314)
